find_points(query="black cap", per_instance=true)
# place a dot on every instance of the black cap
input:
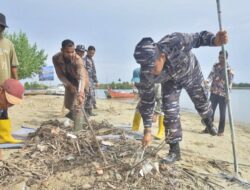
(3, 20)
(80, 48)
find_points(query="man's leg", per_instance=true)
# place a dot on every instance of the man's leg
(194, 85)
(89, 102)
(94, 99)
(173, 132)
(214, 103)
(222, 107)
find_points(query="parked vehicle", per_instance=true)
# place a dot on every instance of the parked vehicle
(56, 90)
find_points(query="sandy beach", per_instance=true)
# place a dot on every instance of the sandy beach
(200, 152)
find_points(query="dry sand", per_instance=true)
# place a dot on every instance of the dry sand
(198, 150)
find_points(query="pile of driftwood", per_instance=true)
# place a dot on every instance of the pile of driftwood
(53, 148)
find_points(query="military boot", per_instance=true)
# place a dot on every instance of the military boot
(173, 155)
(210, 128)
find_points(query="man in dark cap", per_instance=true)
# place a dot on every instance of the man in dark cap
(93, 82)
(8, 58)
(172, 63)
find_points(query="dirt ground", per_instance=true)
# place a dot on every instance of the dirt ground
(198, 150)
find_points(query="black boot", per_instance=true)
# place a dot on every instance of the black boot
(173, 155)
(89, 112)
(70, 115)
(210, 128)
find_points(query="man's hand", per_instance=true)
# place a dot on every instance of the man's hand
(221, 38)
(96, 85)
(72, 88)
(80, 98)
(147, 138)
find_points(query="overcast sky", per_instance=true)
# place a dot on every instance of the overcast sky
(115, 26)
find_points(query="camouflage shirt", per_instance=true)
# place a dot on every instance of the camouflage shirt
(217, 77)
(180, 63)
(90, 67)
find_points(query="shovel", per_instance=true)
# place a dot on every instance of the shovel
(80, 119)
(80, 115)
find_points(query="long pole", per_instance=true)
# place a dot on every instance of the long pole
(228, 96)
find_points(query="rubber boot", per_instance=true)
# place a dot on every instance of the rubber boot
(161, 130)
(80, 120)
(173, 155)
(90, 113)
(210, 128)
(136, 121)
(70, 115)
(5, 132)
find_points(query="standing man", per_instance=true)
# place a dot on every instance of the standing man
(11, 93)
(218, 92)
(93, 82)
(71, 72)
(8, 59)
(172, 63)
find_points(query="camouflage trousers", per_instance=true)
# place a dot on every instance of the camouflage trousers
(90, 97)
(193, 83)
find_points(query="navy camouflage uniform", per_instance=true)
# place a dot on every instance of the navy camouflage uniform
(181, 70)
(218, 92)
(90, 95)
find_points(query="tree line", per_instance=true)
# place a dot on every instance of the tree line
(241, 85)
(31, 59)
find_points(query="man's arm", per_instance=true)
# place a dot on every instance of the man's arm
(13, 62)
(211, 75)
(82, 75)
(185, 42)
(230, 77)
(146, 108)
(147, 102)
(60, 74)
(14, 74)
(94, 74)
